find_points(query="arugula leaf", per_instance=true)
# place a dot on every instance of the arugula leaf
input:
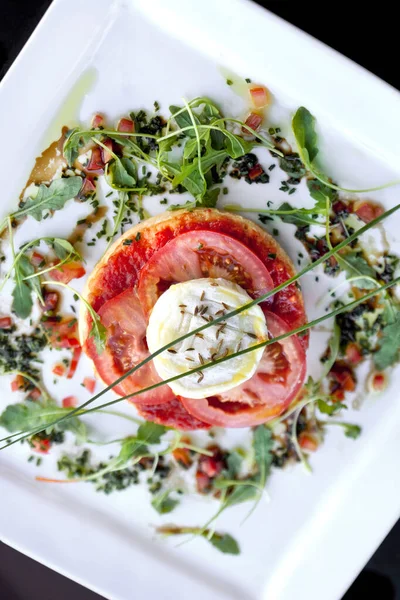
(303, 125)
(53, 197)
(163, 503)
(184, 120)
(190, 177)
(190, 149)
(263, 444)
(223, 542)
(75, 140)
(31, 415)
(333, 345)
(388, 352)
(246, 490)
(99, 333)
(234, 462)
(123, 174)
(63, 249)
(351, 431)
(136, 446)
(355, 265)
(22, 292)
(327, 408)
(235, 145)
(297, 216)
(320, 192)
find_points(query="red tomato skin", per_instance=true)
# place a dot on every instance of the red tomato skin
(76, 354)
(90, 384)
(96, 163)
(70, 402)
(67, 272)
(59, 370)
(18, 383)
(171, 414)
(5, 323)
(126, 125)
(51, 300)
(253, 121)
(97, 120)
(259, 95)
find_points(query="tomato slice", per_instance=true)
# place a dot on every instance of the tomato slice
(277, 381)
(199, 254)
(126, 347)
(67, 272)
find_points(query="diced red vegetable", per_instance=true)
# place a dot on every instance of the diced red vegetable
(37, 259)
(260, 96)
(34, 394)
(107, 154)
(203, 482)
(182, 456)
(89, 383)
(353, 353)
(51, 300)
(212, 465)
(88, 187)
(40, 445)
(18, 383)
(59, 369)
(378, 382)
(256, 172)
(308, 441)
(74, 362)
(67, 272)
(367, 211)
(126, 125)
(96, 161)
(5, 322)
(97, 120)
(62, 334)
(70, 402)
(342, 380)
(253, 121)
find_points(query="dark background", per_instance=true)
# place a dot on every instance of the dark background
(367, 35)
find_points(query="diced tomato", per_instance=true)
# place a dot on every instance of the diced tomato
(367, 211)
(353, 353)
(88, 187)
(89, 383)
(74, 362)
(182, 456)
(203, 482)
(37, 259)
(97, 121)
(126, 125)
(211, 466)
(18, 383)
(96, 162)
(342, 380)
(107, 154)
(40, 445)
(5, 322)
(69, 271)
(34, 394)
(253, 121)
(308, 441)
(70, 402)
(51, 300)
(378, 382)
(62, 333)
(59, 369)
(260, 96)
(256, 172)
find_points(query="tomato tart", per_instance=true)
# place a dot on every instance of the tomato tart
(158, 267)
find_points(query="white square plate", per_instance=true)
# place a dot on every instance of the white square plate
(316, 533)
